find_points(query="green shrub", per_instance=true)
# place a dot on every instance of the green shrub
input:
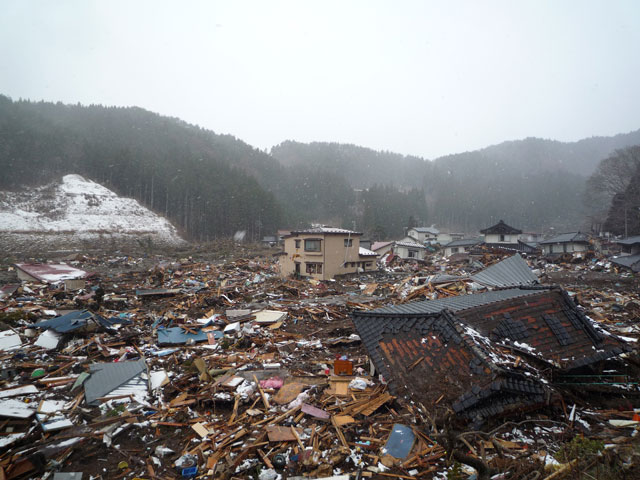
(580, 447)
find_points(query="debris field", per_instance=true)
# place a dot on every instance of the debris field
(183, 368)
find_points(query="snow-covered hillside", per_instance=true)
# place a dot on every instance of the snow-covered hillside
(79, 210)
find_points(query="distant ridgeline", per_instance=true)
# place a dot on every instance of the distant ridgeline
(212, 185)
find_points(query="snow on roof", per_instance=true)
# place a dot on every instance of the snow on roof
(430, 229)
(51, 272)
(326, 230)
(365, 252)
(402, 243)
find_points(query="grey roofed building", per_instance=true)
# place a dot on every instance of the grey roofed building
(402, 243)
(566, 243)
(573, 237)
(630, 245)
(463, 242)
(107, 377)
(632, 262)
(635, 240)
(510, 272)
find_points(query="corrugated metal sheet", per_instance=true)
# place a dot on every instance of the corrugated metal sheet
(107, 377)
(510, 272)
(454, 304)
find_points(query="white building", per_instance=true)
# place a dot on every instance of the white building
(566, 243)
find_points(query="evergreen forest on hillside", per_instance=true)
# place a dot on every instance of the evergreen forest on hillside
(212, 185)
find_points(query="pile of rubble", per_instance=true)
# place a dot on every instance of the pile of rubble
(202, 370)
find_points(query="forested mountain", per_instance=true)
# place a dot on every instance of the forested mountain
(205, 183)
(212, 185)
(532, 183)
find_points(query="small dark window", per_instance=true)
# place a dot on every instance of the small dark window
(297, 243)
(314, 268)
(348, 242)
(502, 238)
(312, 245)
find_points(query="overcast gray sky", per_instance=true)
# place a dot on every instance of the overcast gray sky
(416, 77)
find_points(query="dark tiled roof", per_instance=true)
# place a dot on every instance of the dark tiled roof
(501, 228)
(437, 356)
(510, 272)
(464, 348)
(574, 237)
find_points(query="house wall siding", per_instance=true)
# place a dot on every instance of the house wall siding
(495, 238)
(332, 255)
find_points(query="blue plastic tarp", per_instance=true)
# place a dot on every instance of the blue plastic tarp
(179, 336)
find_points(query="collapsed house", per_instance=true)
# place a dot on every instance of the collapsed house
(486, 354)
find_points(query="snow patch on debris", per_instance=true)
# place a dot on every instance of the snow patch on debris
(82, 209)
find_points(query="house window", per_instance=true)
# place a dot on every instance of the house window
(454, 249)
(368, 264)
(297, 243)
(312, 245)
(314, 268)
(502, 238)
(348, 242)
(413, 253)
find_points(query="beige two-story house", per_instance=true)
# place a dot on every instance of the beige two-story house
(324, 252)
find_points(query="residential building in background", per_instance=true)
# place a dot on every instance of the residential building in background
(323, 253)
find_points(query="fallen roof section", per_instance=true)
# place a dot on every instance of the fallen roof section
(510, 272)
(107, 377)
(465, 349)
(50, 272)
(79, 319)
